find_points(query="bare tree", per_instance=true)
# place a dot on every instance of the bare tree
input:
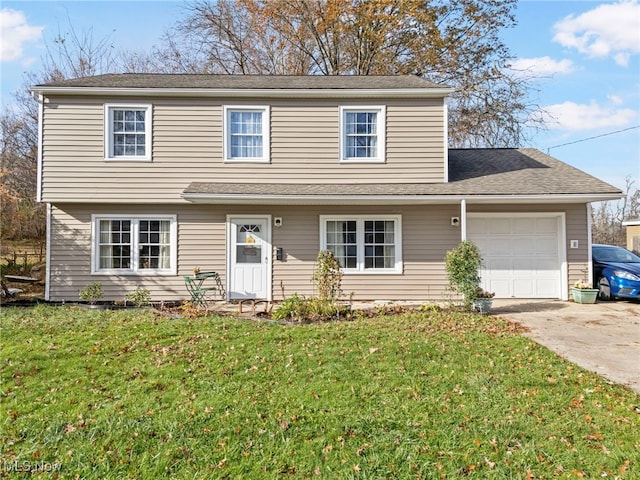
(20, 216)
(69, 55)
(607, 217)
(455, 43)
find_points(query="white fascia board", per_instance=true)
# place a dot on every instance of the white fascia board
(246, 92)
(387, 199)
(550, 198)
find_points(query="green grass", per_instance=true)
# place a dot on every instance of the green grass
(130, 394)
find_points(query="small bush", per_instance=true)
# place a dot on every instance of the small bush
(327, 276)
(91, 293)
(462, 265)
(301, 309)
(140, 297)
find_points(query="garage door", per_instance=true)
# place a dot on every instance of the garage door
(522, 256)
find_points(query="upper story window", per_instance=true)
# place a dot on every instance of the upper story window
(127, 132)
(363, 244)
(134, 245)
(246, 137)
(362, 134)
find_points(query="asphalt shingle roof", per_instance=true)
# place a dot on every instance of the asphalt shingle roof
(508, 172)
(275, 82)
(518, 171)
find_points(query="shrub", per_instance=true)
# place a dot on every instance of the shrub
(299, 308)
(327, 276)
(140, 297)
(462, 265)
(91, 293)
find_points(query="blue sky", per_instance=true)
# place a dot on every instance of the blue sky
(585, 56)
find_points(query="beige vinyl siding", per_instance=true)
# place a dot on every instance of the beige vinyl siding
(201, 240)
(633, 238)
(187, 146)
(69, 254)
(577, 258)
(427, 234)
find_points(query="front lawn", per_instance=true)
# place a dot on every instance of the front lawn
(132, 394)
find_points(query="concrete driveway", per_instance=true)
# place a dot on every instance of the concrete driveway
(603, 338)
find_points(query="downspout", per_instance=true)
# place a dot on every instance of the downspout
(446, 141)
(38, 97)
(47, 279)
(589, 240)
(463, 220)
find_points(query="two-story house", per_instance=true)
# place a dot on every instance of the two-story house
(148, 176)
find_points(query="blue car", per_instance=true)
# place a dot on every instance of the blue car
(616, 272)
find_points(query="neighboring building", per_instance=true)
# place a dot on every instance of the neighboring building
(633, 235)
(148, 176)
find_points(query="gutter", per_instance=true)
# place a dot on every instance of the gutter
(245, 92)
(255, 199)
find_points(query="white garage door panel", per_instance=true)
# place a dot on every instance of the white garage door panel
(548, 288)
(521, 255)
(547, 225)
(502, 226)
(521, 225)
(546, 246)
(496, 285)
(496, 248)
(522, 288)
(478, 225)
(526, 264)
(550, 263)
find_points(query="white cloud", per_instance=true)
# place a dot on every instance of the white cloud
(14, 33)
(611, 29)
(575, 117)
(615, 99)
(541, 66)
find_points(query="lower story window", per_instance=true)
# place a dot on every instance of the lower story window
(134, 245)
(368, 244)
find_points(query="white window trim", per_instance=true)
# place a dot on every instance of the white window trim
(135, 219)
(382, 133)
(108, 131)
(266, 132)
(360, 219)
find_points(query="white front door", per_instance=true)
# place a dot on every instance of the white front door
(249, 257)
